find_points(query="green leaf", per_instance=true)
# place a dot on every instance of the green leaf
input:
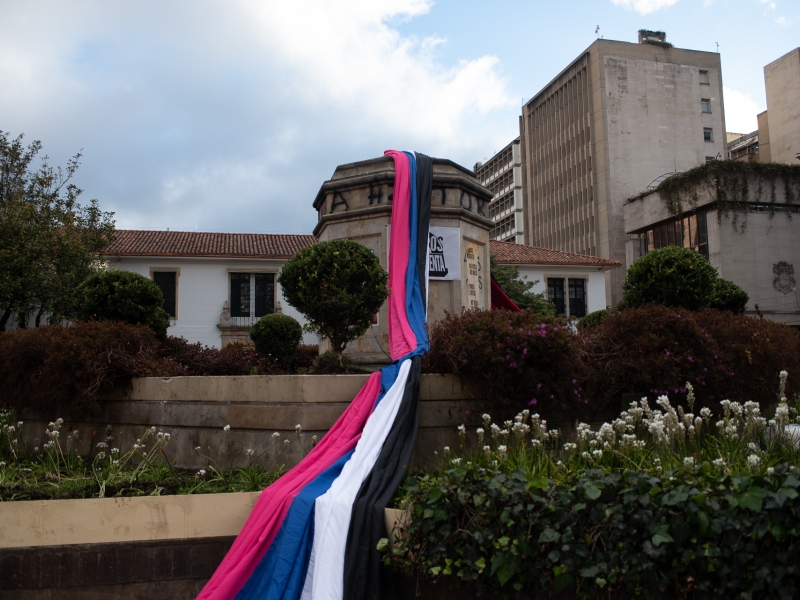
(752, 498)
(601, 583)
(481, 564)
(703, 521)
(661, 536)
(428, 513)
(435, 494)
(383, 544)
(548, 535)
(592, 491)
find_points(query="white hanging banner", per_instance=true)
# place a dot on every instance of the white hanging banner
(444, 253)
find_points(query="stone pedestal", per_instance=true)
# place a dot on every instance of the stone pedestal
(356, 204)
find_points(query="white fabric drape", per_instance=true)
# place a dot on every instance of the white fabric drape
(325, 576)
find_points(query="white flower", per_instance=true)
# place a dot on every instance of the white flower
(501, 450)
(480, 433)
(446, 450)
(753, 460)
(570, 446)
(286, 443)
(313, 439)
(298, 428)
(102, 445)
(536, 443)
(494, 463)
(202, 472)
(559, 463)
(197, 448)
(705, 413)
(115, 451)
(101, 455)
(462, 431)
(753, 447)
(457, 461)
(688, 461)
(226, 428)
(249, 452)
(2, 464)
(720, 463)
(487, 450)
(486, 419)
(586, 455)
(597, 453)
(276, 435)
(770, 471)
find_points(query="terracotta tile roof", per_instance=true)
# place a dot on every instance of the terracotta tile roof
(131, 242)
(518, 254)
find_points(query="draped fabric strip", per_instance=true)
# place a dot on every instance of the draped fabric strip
(312, 535)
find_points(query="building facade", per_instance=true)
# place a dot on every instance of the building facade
(502, 175)
(215, 285)
(755, 243)
(779, 125)
(618, 117)
(575, 283)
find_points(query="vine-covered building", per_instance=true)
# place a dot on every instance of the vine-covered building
(744, 219)
(616, 118)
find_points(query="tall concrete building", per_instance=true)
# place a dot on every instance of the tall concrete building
(616, 118)
(502, 175)
(779, 125)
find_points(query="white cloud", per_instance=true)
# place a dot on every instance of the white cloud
(740, 111)
(231, 115)
(644, 7)
(769, 3)
(783, 21)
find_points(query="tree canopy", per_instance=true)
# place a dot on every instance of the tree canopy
(675, 276)
(49, 243)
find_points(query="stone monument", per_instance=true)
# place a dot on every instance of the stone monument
(356, 204)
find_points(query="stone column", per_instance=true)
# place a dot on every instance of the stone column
(356, 204)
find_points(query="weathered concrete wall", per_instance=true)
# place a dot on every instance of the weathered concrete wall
(194, 410)
(782, 81)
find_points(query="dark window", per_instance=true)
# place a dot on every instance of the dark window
(555, 291)
(240, 294)
(577, 298)
(702, 234)
(708, 134)
(703, 76)
(265, 294)
(166, 282)
(705, 105)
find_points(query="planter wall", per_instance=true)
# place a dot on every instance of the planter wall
(194, 411)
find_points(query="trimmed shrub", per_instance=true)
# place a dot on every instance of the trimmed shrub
(691, 533)
(63, 370)
(123, 296)
(234, 359)
(593, 319)
(334, 363)
(277, 335)
(514, 360)
(655, 350)
(670, 276)
(338, 286)
(305, 357)
(729, 296)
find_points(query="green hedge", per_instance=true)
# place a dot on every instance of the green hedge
(691, 533)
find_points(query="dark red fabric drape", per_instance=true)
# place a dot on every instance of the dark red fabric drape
(500, 300)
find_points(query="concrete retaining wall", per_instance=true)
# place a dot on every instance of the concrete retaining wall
(194, 410)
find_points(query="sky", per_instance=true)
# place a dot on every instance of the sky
(229, 116)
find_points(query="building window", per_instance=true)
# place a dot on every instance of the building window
(690, 231)
(252, 294)
(555, 291)
(708, 134)
(705, 105)
(167, 282)
(577, 298)
(703, 76)
(709, 158)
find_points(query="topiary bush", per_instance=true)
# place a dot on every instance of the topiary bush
(512, 360)
(728, 296)
(277, 336)
(670, 276)
(64, 370)
(338, 286)
(116, 295)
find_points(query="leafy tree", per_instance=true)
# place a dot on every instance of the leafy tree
(519, 289)
(729, 296)
(670, 276)
(48, 242)
(123, 296)
(338, 286)
(277, 335)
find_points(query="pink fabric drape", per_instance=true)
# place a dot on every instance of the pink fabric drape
(401, 337)
(270, 510)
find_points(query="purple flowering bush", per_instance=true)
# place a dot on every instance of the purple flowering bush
(514, 360)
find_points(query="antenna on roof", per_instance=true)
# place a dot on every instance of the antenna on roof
(717, 43)
(597, 31)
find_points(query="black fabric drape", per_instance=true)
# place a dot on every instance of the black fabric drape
(365, 578)
(424, 192)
